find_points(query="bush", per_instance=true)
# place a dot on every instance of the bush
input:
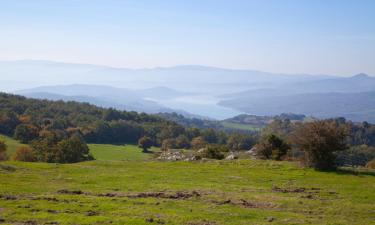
(213, 152)
(24, 154)
(272, 147)
(319, 140)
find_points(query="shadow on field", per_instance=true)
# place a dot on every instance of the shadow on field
(352, 171)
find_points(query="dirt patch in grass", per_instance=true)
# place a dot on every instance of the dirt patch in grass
(71, 192)
(8, 197)
(176, 195)
(204, 222)
(289, 190)
(246, 204)
(160, 194)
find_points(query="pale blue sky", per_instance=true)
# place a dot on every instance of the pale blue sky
(288, 36)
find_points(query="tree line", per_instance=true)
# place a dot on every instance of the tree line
(322, 144)
(52, 127)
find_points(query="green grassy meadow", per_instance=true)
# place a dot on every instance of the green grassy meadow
(119, 152)
(126, 186)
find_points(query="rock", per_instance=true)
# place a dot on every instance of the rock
(232, 156)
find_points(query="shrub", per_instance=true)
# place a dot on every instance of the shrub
(213, 152)
(272, 147)
(24, 154)
(319, 140)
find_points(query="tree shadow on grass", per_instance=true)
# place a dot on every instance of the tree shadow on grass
(352, 171)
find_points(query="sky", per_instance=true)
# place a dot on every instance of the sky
(284, 36)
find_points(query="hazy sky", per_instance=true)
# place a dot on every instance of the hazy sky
(308, 36)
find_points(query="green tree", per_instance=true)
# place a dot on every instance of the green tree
(8, 122)
(319, 140)
(26, 133)
(145, 143)
(71, 150)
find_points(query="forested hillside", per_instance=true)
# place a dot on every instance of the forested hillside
(46, 123)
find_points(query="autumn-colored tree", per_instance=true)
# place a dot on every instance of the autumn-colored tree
(25, 154)
(319, 140)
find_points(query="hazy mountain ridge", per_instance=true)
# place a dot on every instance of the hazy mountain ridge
(194, 90)
(354, 106)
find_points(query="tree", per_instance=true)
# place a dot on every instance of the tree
(8, 122)
(25, 154)
(210, 135)
(26, 133)
(198, 142)
(145, 143)
(71, 150)
(319, 140)
(272, 147)
(3, 149)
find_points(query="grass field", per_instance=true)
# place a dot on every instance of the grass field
(137, 190)
(119, 152)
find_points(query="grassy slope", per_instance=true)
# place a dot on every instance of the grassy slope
(341, 198)
(118, 152)
(12, 144)
(125, 170)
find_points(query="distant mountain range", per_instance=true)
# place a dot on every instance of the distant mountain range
(194, 91)
(352, 97)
